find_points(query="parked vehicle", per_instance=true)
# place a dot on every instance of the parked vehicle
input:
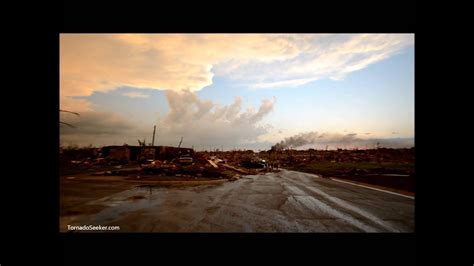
(185, 159)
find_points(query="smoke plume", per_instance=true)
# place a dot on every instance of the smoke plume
(335, 140)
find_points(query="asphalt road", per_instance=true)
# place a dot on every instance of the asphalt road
(286, 201)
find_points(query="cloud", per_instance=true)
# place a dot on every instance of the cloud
(101, 62)
(177, 62)
(201, 123)
(204, 124)
(76, 105)
(326, 57)
(97, 128)
(336, 140)
(136, 95)
(94, 123)
(284, 83)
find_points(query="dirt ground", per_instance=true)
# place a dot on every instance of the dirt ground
(76, 191)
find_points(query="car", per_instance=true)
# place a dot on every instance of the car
(185, 159)
(148, 164)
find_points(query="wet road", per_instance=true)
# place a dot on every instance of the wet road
(287, 201)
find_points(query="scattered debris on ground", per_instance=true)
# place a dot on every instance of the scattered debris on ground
(390, 168)
(385, 167)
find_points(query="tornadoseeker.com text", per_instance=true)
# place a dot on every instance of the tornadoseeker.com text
(92, 228)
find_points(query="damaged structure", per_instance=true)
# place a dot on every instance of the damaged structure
(142, 153)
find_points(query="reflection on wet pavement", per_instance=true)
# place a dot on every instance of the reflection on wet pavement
(275, 202)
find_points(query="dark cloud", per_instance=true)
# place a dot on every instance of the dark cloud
(98, 128)
(93, 123)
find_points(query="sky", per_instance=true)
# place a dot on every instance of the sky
(238, 91)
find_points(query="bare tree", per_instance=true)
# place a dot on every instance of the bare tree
(65, 111)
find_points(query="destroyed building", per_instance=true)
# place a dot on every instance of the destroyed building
(138, 153)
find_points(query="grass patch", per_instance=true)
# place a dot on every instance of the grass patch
(326, 168)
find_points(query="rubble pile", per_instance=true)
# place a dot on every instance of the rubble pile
(163, 161)
(296, 157)
(230, 165)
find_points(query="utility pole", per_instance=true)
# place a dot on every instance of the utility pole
(153, 140)
(179, 145)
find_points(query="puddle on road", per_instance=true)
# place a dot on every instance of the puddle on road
(155, 199)
(262, 203)
(126, 201)
(141, 197)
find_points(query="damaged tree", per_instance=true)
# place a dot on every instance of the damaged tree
(64, 123)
